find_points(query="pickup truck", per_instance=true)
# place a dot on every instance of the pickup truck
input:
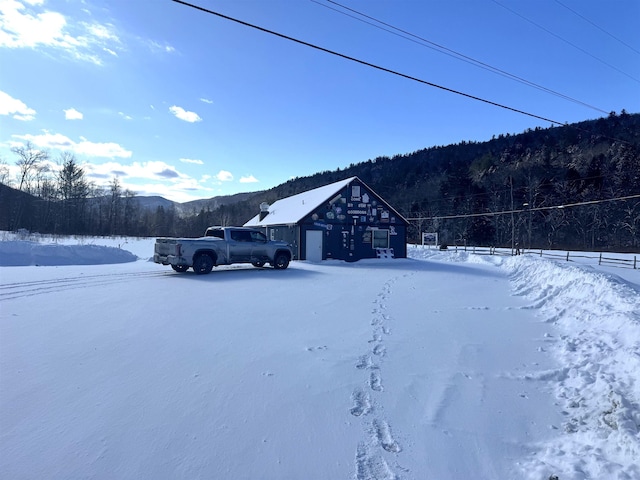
(222, 246)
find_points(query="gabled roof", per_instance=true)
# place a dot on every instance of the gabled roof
(291, 210)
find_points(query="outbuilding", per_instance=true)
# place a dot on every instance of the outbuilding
(345, 220)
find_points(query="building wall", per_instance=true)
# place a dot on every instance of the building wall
(352, 222)
(355, 242)
(286, 233)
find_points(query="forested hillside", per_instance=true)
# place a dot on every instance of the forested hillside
(575, 186)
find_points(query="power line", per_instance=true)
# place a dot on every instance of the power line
(384, 69)
(566, 41)
(597, 26)
(447, 51)
(368, 64)
(523, 210)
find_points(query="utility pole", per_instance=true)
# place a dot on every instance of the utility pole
(513, 224)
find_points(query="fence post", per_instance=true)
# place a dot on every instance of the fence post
(600, 260)
(634, 262)
(540, 252)
(567, 256)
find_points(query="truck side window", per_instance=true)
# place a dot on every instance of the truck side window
(258, 237)
(215, 233)
(240, 236)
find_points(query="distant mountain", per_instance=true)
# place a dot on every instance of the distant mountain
(215, 202)
(192, 207)
(153, 202)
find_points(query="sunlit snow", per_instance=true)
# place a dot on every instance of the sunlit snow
(445, 365)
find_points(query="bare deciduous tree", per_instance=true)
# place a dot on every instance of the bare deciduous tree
(29, 161)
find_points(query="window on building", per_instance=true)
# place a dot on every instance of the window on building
(380, 239)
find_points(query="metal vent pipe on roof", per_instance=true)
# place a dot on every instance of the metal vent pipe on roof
(264, 210)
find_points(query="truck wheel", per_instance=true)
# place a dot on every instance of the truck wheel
(258, 264)
(202, 264)
(281, 261)
(180, 268)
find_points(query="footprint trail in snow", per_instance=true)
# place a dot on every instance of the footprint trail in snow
(379, 446)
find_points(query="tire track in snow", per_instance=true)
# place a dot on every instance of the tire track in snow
(370, 461)
(10, 291)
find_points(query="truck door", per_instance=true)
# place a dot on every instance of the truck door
(240, 246)
(259, 250)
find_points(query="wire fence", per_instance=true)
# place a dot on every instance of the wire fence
(569, 256)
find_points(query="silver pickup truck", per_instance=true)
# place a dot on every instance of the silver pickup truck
(222, 246)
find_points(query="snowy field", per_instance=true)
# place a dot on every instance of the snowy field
(442, 366)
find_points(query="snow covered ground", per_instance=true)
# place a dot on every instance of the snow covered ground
(442, 366)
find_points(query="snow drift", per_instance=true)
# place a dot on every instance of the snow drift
(21, 253)
(597, 345)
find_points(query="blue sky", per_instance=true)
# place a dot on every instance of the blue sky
(184, 104)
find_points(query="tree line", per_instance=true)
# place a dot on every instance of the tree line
(558, 187)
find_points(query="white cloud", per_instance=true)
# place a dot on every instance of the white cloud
(84, 147)
(72, 114)
(224, 176)
(192, 160)
(158, 47)
(249, 179)
(153, 170)
(21, 26)
(206, 100)
(108, 150)
(16, 108)
(149, 178)
(125, 116)
(106, 32)
(182, 114)
(48, 140)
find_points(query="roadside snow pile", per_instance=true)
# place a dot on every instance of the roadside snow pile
(597, 320)
(23, 253)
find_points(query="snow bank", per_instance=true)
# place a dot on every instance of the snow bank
(34, 249)
(597, 388)
(597, 317)
(21, 253)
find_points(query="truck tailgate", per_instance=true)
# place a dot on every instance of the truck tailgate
(166, 246)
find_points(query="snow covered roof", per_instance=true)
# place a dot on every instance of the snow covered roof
(291, 210)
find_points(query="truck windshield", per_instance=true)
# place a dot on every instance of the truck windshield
(215, 233)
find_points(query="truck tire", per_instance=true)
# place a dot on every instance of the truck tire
(203, 264)
(281, 261)
(180, 268)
